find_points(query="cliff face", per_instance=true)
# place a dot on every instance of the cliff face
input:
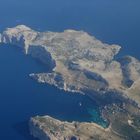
(77, 60)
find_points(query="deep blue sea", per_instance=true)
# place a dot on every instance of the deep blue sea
(112, 21)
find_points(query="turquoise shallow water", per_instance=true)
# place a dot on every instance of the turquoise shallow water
(21, 97)
(96, 117)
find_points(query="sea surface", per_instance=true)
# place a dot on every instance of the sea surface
(112, 21)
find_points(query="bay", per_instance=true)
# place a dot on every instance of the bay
(21, 97)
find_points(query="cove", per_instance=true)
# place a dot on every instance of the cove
(22, 98)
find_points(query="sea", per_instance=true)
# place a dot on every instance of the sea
(111, 21)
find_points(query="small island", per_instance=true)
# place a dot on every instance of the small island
(80, 63)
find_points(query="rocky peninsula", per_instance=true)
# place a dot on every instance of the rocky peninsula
(80, 63)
